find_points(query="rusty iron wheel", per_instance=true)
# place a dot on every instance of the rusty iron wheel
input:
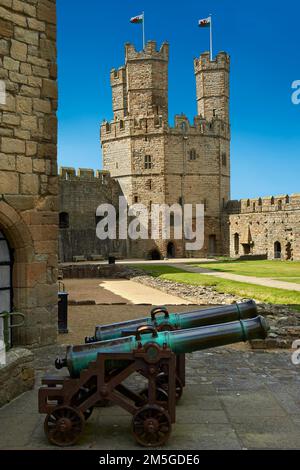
(163, 383)
(64, 426)
(151, 426)
(161, 395)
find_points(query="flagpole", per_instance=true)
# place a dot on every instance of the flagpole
(144, 30)
(211, 39)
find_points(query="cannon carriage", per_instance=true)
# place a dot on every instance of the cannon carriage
(98, 371)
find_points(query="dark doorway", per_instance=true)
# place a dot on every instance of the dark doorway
(155, 255)
(171, 252)
(277, 250)
(236, 243)
(289, 251)
(212, 245)
(247, 248)
(63, 220)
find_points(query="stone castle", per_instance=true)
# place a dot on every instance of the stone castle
(150, 162)
(144, 159)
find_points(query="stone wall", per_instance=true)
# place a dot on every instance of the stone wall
(17, 376)
(81, 192)
(264, 226)
(28, 171)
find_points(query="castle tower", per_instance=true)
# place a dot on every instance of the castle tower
(155, 163)
(119, 92)
(212, 86)
(147, 80)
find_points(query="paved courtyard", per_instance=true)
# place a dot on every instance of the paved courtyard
(234, 399)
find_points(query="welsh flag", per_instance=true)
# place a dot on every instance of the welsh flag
(205, 23)
(137, 19)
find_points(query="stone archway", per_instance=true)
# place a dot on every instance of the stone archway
(19, 239)
(155, 255)
(171, 250)
(17, 233)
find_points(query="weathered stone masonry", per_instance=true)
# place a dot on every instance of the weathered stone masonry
(28, 169)
(268, 226)
(80, 194)
(158, 164)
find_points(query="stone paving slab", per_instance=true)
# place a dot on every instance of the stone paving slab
(137, 294)
(234, 399)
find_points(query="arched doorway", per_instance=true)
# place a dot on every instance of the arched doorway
(15, 235)
(277, 250)
(5, 275)
(155, 255)
(171, 251)
(236, 243)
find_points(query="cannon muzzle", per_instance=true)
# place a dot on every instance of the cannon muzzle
(163, 320)
(179, 341)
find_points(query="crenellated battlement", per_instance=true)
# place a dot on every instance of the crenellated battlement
(221, 61)
(200, 126)
(150, 52)
(282, 202)
(84, 174)
(129, 127)
(118, 76)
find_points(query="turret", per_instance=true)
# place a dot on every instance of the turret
(119, 92)
(147, 80)
(212, 86)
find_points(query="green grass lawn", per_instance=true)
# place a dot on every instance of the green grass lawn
(262, 293)
(288, 271)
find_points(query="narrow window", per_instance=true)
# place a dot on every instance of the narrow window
(148, 162)
(192, 155)
(63, 220)
(224, 159)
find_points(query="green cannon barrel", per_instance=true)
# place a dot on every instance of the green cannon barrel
(177, 321)
(179, 341)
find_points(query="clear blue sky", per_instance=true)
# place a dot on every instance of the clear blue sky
(263, 39)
